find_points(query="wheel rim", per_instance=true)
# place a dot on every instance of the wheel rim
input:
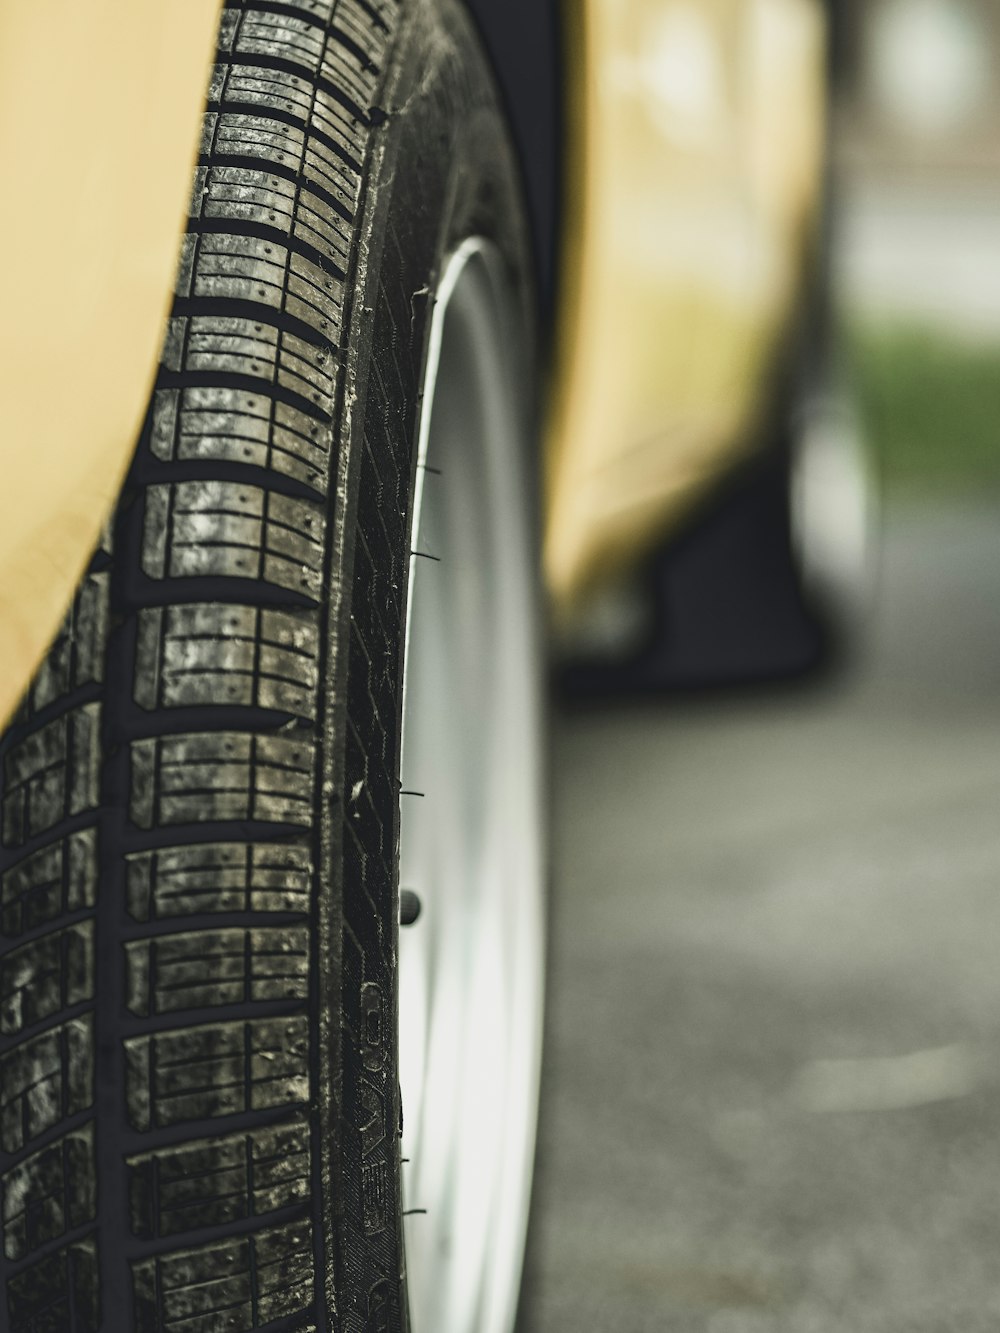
(471, 842)
(833, 496)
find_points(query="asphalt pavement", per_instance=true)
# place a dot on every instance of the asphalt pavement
(772, 1084)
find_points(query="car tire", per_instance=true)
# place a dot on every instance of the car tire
(200, 1110)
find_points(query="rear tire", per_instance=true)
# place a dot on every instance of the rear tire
(199, 1106)
(770, 581)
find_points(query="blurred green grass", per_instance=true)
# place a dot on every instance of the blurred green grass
(931, 405)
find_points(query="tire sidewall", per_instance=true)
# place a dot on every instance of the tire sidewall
(441, 170)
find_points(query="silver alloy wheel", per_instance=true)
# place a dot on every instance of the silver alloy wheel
(471, 841)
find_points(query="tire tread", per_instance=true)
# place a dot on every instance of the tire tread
(186, 677)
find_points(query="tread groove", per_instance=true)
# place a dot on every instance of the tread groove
(255, 311)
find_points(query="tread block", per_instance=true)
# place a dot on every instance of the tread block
(280, 37)
(201, 968)
(210, 1182)
(230, 267)
(333, 123)
(210, 344)
(235, 84)
(355, 16)
(217, 1069)
(57, 879)
(237, 1285)
(51, 774)
(245, 194)
(334, 54)
(51, 973)
(199, 528)
(232, 134)
(347, 66)
(58, 1294)
(213, 654)
(219, 877)
(45, 1079)
(240, 268)
(50, 1193)
(241, 426)
(221, 775)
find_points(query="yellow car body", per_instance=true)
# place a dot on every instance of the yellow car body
(695, 132)
(698, 128)
(100, 114)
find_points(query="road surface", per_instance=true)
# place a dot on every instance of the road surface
(772, 1089)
